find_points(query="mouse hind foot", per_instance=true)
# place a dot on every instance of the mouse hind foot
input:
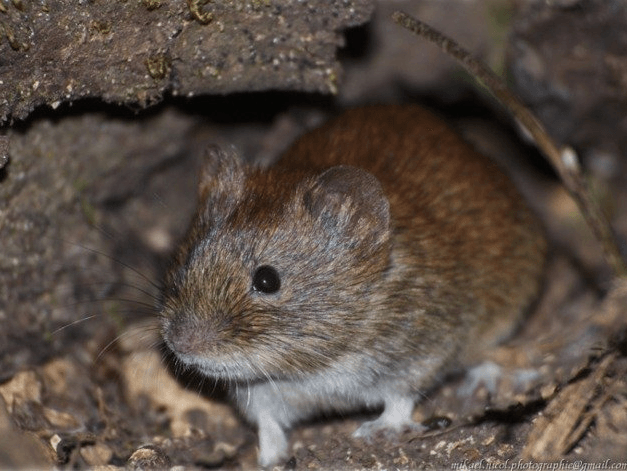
(396, 417)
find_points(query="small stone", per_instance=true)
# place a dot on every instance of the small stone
(60, 420)
(148, 457)
(54, 441)
(98, 454)
(25, 386)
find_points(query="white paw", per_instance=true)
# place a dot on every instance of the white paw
(368, 430)
(486, 373)
(396, 418)
(272, 444)
(489, 374)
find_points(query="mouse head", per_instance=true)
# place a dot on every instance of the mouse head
(277, 271)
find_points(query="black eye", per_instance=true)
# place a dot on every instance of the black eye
(266, 279)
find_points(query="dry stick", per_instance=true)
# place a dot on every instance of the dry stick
(564, 161)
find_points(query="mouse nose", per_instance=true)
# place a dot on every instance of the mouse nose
(186, 338)
(190, 336)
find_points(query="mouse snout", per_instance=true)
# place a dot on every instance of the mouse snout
(188, 336)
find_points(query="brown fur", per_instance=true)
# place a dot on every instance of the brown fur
(462, 220)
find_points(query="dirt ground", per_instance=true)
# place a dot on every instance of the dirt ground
(96, 188)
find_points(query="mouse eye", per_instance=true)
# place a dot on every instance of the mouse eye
(266, 279)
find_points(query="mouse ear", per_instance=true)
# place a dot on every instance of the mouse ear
(350, 203)
(222, 174)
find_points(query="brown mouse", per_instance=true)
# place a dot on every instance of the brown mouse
(377, 252)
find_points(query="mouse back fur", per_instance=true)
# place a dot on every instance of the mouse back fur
(457, 217)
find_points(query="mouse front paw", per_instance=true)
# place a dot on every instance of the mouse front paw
(273, 444)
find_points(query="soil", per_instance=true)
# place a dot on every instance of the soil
(106, 108)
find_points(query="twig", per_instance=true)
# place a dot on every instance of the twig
(4, 151)
(564, 160)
